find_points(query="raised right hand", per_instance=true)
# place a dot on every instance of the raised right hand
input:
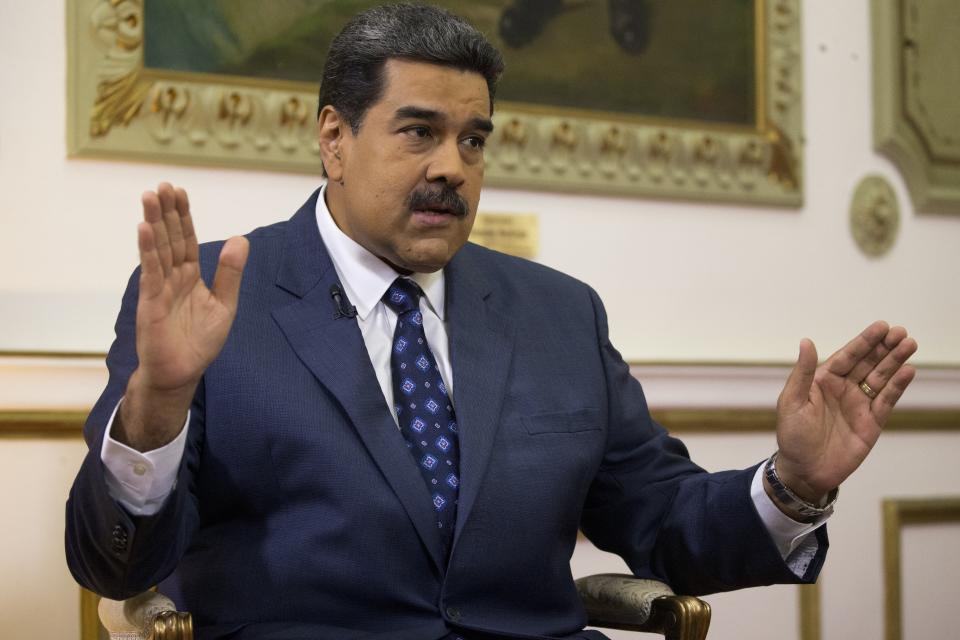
(181, 324)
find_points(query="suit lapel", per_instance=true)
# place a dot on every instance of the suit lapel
(481, 347)
(333, 350)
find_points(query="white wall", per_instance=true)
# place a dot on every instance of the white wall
(38, 598)
(703, 282)
(682, 282)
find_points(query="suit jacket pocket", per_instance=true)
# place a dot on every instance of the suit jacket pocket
(563, 422)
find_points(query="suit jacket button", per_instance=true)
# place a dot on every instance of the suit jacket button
(119, 539)
(454, 614)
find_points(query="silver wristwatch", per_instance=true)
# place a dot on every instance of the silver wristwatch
(808, 511)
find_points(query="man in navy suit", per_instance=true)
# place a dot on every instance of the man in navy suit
(252, 450)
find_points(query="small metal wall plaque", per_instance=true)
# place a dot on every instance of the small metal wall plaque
(874, 216)
(515, 233)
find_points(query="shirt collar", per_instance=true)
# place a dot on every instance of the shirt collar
(364, 276)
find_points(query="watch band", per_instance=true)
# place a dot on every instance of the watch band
(808, 511)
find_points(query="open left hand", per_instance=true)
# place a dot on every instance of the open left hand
(826, 423)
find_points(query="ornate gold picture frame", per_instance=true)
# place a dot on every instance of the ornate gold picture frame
(119, 107)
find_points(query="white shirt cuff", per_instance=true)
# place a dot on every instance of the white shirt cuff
(797, 547)
(141, 481)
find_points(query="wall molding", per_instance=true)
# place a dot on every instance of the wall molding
(42, 424)
(913, 103)
(50, 395)
(808, 602)
(897, 513)
(69, 423)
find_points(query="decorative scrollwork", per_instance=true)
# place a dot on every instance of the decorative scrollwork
(783, 15)
(168, 103)
(564, 140)
(234, 112)
(613, 148)
(613, 142)
(295, 116)
(120, 89)
(514, 133)
(707, 159)
(751, 160)
(137, 110)
(564, 137)
(663, 151)
(512, 143)
(783, 160)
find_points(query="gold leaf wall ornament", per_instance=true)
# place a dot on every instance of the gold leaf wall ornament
(120, 108)
(658, 155)
(118, 102)
(783, 160)
(613, 142)
(784, 16)
(118, 25)
(711, 161)
(514, 133)
(564, 137)
(563, 146)
(512, 142)
(613, 149)
(666, 158)
(168, 103)
(234, 112)
(295, 119)
(784, 87)
(752, 159)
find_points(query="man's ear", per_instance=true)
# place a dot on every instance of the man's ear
(331, 130)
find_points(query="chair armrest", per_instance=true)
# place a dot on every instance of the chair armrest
(146, 616)
(620, 601)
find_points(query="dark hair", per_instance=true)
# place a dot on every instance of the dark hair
(353, 73)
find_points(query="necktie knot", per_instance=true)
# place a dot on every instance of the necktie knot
(402, 296)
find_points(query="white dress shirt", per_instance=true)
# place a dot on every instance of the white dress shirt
(142, 481)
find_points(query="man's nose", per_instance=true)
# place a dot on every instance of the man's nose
(447, 164)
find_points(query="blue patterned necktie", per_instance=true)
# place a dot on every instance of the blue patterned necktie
(424, 410)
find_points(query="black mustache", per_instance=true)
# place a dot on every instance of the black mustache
(446, 198)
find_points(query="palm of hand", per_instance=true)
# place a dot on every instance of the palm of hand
(181, 323)
(826, 424)
(180, 330)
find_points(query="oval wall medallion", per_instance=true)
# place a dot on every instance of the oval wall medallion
(874, 216)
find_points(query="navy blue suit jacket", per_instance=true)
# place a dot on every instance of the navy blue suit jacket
(299, 513)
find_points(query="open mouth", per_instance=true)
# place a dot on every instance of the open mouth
(434, 216)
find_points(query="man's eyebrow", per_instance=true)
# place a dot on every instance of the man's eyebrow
(412, 112)
(417, 113)
(482, 124)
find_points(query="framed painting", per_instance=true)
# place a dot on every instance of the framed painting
(660, 98)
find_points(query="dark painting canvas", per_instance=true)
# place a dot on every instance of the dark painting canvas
(670, 59)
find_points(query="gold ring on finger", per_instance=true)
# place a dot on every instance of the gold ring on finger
(867, 389)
